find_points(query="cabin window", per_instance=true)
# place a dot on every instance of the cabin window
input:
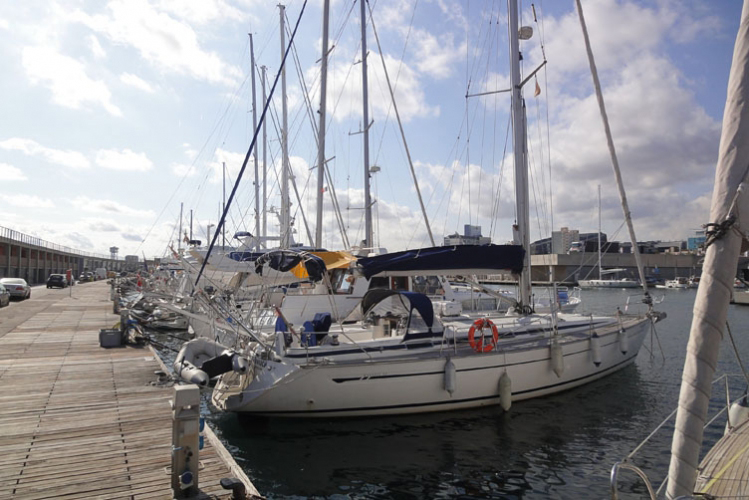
(343, 281)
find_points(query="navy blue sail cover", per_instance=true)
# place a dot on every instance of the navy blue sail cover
(450, 259)
(286, 260)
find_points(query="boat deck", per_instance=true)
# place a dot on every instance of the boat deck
(724, 472)
(81, 421)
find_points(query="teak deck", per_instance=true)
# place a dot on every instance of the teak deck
(81, 421)
(724, 472)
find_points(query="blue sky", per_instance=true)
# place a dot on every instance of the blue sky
(115, 112)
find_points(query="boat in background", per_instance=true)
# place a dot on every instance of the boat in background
(408, 354)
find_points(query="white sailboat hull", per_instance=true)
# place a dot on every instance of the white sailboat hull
(608, 284)
(408, 385)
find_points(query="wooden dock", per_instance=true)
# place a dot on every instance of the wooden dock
(81, 421)
(724, 472)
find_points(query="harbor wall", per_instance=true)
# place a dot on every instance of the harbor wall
(34, 259)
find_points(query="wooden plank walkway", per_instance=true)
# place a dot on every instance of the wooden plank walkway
(724, 472)
(81, 421)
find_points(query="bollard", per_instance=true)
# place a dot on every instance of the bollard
(185, 440)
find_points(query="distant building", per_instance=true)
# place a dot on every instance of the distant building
(562, 239)
(471, 236)
(696, 242)
(670, 246)
(131, 263)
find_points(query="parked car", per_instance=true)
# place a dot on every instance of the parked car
(4, 296)
(17, 287)
(57, 281)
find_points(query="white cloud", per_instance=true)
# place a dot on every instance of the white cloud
(87, 204)
(96, 48)
(137, 82)
(66, 78)
(182, 170)
(11, 173)
(27, 201)
(201, 11)
(436, 55)
(168, 44)
(4, 24)
(102, 225)
(66, 158)
(409, 92)
(123, 160)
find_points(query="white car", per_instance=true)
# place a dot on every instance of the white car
(17, 287)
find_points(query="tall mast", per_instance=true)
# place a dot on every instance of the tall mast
(368, 233)
(222, 207)
(179, 238)
(285, 209)
(265, 160)
(600, 272)
(254, 130)
(321, 128)
(519, 147)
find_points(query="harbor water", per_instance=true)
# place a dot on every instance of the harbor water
(562, 446)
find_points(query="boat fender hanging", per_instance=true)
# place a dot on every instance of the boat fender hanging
(557, 358)
(738, 413)
(505, 391)
(595, 348)
(450, 376)
(623, 341)
(191, 374)
(239, 364)
(480, 344)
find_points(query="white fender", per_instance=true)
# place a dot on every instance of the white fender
(623, 341)
(738, 413)
(595, 348)
(450, 376)
(505, 391)
(557, 358)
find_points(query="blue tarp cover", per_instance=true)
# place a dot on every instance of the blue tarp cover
(450, 259)
(285, 260)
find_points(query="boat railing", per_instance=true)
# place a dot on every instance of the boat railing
(627, 464)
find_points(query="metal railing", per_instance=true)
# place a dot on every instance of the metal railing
(627, 464)
(19, 237)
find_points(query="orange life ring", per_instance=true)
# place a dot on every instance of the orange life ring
(478, 343)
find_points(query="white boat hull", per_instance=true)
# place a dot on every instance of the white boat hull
(408, 385)
(608, 284)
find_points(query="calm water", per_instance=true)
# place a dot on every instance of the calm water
(561, 446)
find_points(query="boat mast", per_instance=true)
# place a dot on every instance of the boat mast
(321, 129)
(285, 209)
(368, 233)
(254, 128)
(519, 149)
(179, 236)
(600, 271)
(264, 232)
(730, 205)
(612, 153)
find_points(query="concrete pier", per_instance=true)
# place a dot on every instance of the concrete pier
(81, 421)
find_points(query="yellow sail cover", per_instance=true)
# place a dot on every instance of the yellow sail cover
(333, 260)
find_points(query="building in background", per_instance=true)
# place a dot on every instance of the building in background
(471, 236)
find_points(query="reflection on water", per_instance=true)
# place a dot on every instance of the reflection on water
(562, 446)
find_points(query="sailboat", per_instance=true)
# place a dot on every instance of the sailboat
(722, 473)
(608, 282)
(407, 354)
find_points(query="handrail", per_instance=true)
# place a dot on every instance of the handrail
(636, 470)
(17, 236)
(625, 463)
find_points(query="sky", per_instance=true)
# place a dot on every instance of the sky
(120, 115)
